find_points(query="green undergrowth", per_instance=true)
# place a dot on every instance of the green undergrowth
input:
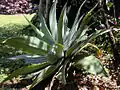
(11, 24)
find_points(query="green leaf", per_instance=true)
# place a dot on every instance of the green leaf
(91, 64)
(1, 40)
(51, 58)
(79, 32)
(87, 17)
(55, 53)
(43, 75)
(65, 23)
(69, 38)
(61, 25)
(59, 50)
(28, 44)
(27, 69)
(74, 30)
(83, 25)
(94, 35)
(44, 33)
(53, 21)
(4, 49)
(61, 74)
(80, 44)
(86, 45)
(78, 13)
(109, 4)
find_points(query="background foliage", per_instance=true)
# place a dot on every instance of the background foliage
(14, 6)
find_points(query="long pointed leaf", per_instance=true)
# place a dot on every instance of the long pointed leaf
(78, 13)
(27, 69)
(53, 21)
(85, 21)
(91, 64)
(44, 34)
(80, 33)
(28, 44)
(43, 75)
(61, 25)
(86, 45)
(46, 73)
(72, 34)
(80, 44)
(62, 73)
(55, 53)
(69, 38)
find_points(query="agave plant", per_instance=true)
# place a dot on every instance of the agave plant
(60, 45)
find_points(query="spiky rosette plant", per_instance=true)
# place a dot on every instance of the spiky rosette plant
(61, 47)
